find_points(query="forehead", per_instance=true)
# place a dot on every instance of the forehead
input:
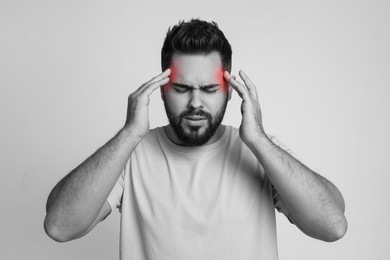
(196, 68)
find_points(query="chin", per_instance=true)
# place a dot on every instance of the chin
(194, 135)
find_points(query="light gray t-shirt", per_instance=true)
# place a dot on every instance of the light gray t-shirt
(207, 202)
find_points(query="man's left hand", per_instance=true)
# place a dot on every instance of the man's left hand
(251, 128)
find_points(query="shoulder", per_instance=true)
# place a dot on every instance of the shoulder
(232, 132)
(234, 140)
(151, 136)
(148, 142)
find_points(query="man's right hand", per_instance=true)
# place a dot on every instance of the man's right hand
(78, 202)
(137, 121)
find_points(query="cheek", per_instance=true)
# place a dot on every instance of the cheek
(175, 103)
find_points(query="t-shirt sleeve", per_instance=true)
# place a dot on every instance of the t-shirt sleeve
(115, 196)
(278, 201)
(280, 205)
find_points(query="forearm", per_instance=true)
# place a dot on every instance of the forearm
(315, 204)
(77, 199)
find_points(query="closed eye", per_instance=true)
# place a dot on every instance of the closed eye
(180, 89)
(210, 89)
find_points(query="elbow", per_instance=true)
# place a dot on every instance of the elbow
(337, 230)
(328, 231)
(53, 231)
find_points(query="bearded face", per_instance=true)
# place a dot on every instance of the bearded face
(195, 98)
(194, 127)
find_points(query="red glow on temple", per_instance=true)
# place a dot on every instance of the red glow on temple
(221, 80)
(218, 78)
(172, 78)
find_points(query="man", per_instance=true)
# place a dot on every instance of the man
(195, 189)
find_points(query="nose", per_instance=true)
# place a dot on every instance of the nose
(195, 100)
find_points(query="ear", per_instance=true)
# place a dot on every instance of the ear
(162, 93)
(230, 90)
(226, 83)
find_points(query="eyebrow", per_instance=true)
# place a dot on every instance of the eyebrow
(191, 87)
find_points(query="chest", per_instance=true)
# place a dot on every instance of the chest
(200, 188)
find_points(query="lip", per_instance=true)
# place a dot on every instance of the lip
(195, 118)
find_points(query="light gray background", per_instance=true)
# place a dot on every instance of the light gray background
(322, 70)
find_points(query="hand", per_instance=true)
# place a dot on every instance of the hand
(251, 127)
(137, 120)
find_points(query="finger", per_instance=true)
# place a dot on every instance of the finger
(248, 82)
(162, 75)
(159, 77)
(155, 85)
(237, 86)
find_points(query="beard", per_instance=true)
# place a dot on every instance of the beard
(195, 135)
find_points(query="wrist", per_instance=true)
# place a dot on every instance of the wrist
(129, 134)
(258, 141)
(262, 138)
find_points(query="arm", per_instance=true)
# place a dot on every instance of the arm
(316, 205)
(78, 202)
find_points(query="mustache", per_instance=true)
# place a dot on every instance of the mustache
(195, 112)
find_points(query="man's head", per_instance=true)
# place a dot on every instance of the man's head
(195, 99)
(196, 37)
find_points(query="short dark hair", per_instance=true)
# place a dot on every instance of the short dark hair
(196, 37)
